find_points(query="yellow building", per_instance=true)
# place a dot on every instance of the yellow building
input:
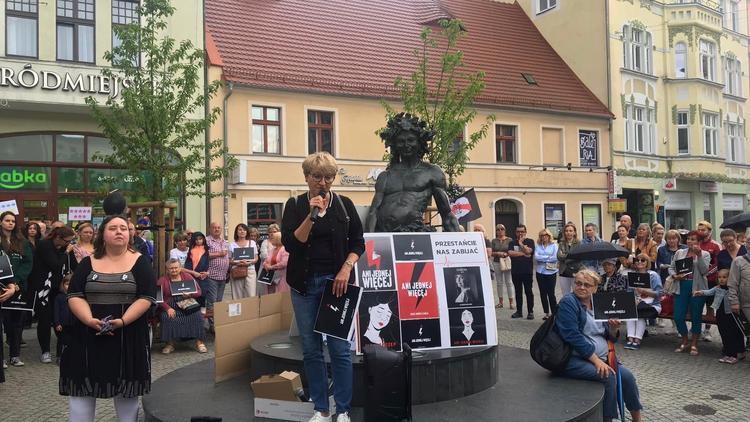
(51, 56)
(298, 85)
(674, 73)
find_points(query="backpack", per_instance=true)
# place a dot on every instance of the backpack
(548, 349)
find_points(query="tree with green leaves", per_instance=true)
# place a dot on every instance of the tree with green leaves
(157, 125)
(445, 100)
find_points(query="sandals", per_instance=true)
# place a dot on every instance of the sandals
(681, 348)
(729, 359)
(202, 348)
(167, 349)
(694, 351)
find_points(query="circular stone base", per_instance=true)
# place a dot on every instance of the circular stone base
(437, 375)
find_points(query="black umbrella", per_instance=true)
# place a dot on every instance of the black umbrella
(740, 221)
(596, 251)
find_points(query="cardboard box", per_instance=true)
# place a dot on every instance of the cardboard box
(270, 304)
(278, 387)
(288, 410)
(225, 312)
(232, 338)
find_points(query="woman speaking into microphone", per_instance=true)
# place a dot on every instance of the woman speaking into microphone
(323, 235)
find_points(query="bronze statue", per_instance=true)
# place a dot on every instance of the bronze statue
(404, 191)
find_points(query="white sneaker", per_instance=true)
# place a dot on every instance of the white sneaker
(16, 361)
(707, 336)
(318, 417)
(5, 364)
(343, 417)
(46, 357)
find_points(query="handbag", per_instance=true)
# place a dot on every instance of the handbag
(505, 263)
(670, 285)
(238, 271)
(188, 306)
(548, 349)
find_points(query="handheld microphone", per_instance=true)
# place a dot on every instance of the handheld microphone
(316, 210)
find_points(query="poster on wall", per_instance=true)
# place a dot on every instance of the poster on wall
(429, 290)
(588, 147)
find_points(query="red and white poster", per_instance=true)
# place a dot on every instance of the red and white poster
(417, 290)
(429, 290)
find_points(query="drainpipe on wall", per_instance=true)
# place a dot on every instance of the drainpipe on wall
(609, 85)
(206, 107)
(226, 147)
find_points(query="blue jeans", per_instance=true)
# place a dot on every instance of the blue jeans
(682, 302)
(305, 311)
(585, 370)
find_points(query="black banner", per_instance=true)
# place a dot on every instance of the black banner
(588, 147)
(614, 305)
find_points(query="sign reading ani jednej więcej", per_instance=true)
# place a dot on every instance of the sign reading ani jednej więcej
(430, 290)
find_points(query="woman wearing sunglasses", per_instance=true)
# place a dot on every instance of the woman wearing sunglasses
(647, 301)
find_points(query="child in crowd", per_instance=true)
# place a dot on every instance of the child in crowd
(63, 318)
(730, 328)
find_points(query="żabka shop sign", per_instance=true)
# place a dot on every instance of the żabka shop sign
(30, 78)
(23, 178)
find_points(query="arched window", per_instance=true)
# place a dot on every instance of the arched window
(680, 60)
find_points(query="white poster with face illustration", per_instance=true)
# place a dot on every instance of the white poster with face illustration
(429, 290)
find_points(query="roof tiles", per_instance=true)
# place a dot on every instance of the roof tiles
(359, 47)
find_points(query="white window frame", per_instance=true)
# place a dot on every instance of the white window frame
(545, 5)
(710, 126)
(708, 60)
(733, 76)
(637, 48)
(734, 15)
(680, 60)
(682, 125)
(640, 129)
(735, 143)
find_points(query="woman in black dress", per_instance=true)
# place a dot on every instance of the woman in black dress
(119, 283)
(51, 262)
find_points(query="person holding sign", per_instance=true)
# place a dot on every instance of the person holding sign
(588, 340)
(647, 290)
(244, 255)
(17, 259)
(323, 235)
(177, 321)
(687, 282)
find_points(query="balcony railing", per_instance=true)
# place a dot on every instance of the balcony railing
(713, 5)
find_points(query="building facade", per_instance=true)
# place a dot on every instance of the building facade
(674, 73)
(51, 56)
(294, 86)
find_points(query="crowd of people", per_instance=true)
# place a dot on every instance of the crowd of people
(44, 256)
(652, 250)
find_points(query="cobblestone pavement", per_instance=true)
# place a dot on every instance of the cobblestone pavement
(673, 387)
(30, 392)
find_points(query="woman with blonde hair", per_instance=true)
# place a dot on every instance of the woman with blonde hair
(568, 241)
(500, 245)
(322, 232)
(84, 245)
(545, 255)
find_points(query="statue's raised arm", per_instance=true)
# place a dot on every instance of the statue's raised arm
(405, 190)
